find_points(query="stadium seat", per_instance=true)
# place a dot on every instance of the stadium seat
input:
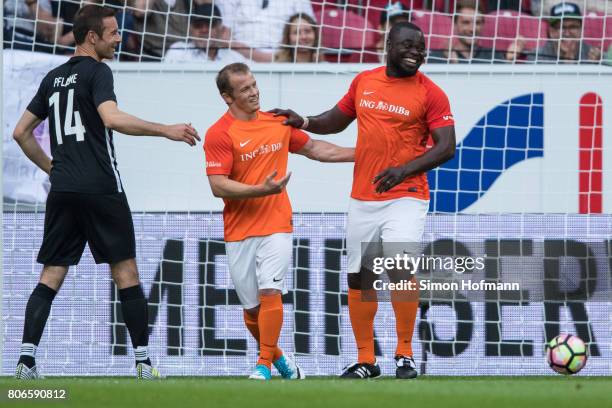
(443, 6)
(343, 33)
(437, 28)
(372, 9)
(502, 27)
(598, 30)
(363, 57)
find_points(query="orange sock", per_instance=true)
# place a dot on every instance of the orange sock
(362, 319)
(405, 317)
(251, 324)
(270, 321)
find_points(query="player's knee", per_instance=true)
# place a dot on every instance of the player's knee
(53, 276)
(253, 312)
(125, 273)
(125, 279)
(363, 280)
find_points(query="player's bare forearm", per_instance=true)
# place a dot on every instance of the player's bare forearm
(24, 136)
(34, 152)
(327, 152)
(224, 187)
(331, 121)
(125, 123)
(128, 124)
(442, 151)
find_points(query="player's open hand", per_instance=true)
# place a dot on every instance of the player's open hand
(389, 178)
(271, 186)
(182, 132)
(293, 119)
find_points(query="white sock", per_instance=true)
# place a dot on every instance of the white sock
(28, 349)
(141, 353)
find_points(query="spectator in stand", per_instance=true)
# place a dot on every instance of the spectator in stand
(467, 25)
(391, 15)
(29, 25)
(300, 40)
(161, 23)
(208, 39)
(541, 7)
(52, 20)
(257, 25)
(64, 11)
(564, 39)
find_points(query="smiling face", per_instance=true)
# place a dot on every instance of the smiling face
(468, 25)
(106, 45)
(568, 34)
(302, 34)
(245, 94)
(406, 51)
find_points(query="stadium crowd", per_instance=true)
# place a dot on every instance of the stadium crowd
(312, 31)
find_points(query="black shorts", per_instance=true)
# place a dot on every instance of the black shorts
(73, 219)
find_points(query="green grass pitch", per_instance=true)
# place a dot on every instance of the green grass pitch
(425, 392)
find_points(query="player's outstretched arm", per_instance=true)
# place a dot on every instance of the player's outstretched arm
(442, 151)
(331, 121)
(327, 152)
(222, 186)
(125, 123)
(24, 136)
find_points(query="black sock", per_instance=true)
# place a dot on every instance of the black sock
(136, 317)
(36, 315)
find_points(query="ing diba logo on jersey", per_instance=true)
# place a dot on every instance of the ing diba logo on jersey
(383, 106)
(261, 150)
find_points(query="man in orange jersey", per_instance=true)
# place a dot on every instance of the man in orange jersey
(246, 163)
(397, 108)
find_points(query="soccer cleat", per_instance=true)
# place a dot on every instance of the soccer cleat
(406, 367)
(146, 372)
(261, 373)
(23, 372)
(289, 369)
(361, 371)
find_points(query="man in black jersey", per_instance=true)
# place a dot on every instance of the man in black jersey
(86, 202)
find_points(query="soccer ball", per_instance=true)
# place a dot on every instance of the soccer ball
(566, 354)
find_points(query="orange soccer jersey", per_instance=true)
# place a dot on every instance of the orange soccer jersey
(248, 152)
(394, 117)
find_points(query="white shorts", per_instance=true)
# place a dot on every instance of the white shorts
(259, 263)
(399, 220)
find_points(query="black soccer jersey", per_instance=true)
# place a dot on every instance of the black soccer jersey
(82, 148)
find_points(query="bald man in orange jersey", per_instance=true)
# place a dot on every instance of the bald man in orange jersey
(396, 108)
(246, 163)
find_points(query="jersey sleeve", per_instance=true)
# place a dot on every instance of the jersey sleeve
(438, 108)
(39, 105)
(298, 140)
(218, 152)
(102, 86)
(347, 103)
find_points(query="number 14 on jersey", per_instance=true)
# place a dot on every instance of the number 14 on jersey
(71, 115)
